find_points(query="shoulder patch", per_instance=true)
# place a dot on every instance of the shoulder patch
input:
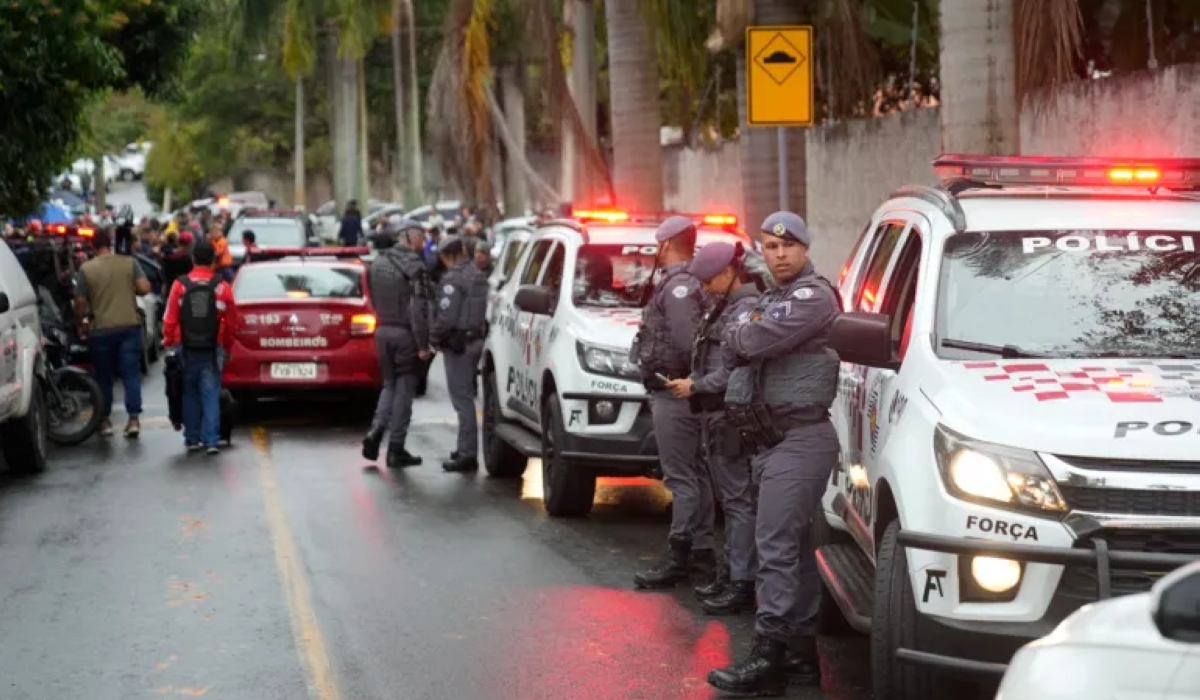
(444, 304)
(680, 291)
(448, 289)
(803, 293)
(779, 310)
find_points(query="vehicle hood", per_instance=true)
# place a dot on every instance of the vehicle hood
(611, 327)
(1123, 621)
(1133, 409)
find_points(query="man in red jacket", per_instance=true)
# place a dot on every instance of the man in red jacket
(196, 325)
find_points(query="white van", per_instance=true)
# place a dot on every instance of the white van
(23, 418)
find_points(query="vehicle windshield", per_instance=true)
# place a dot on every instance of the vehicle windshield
(298, 281)
(612, 275)
(1073, 293)
(269, 233)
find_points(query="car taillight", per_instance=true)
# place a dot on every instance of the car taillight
(362, 324)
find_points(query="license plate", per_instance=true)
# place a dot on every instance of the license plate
(294, 370)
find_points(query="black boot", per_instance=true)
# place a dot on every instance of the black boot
(461, 464)
(759, 675)
(673, 569)
(370, 443)
(801, 664)
(715, 586)
(702, 565)
(737, 598)
(398, 457)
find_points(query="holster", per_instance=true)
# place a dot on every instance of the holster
(755, 426)
(706, 403)
(456, 341)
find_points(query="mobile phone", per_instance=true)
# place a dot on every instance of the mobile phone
(661, 378)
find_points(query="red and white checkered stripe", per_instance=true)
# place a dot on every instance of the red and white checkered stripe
(1142, 384)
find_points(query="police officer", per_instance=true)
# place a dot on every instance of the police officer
(780, 390)
(719, 268)
(458, 331)
(662, 350)
(402, 295)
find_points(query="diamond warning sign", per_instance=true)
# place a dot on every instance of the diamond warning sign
(779, 72)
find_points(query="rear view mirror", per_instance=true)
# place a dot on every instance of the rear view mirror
(4, 303)
(1176, 605)
(534, 299)
(863, 339)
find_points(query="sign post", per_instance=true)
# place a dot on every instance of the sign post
(779, 86)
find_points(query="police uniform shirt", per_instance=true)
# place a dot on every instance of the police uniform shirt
(785, 318)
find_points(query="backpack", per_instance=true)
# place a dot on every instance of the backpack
(199, 318)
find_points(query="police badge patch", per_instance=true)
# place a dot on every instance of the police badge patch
(803, 293)
(680, 291)
(779, 230)
(444, 304)
(448, 289)
(778, 311)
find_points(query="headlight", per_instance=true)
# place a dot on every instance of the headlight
(995, 475)
(610, 362)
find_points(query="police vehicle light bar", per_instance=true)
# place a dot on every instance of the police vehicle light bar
(610, 216)
(277, 253)
(1170, 173)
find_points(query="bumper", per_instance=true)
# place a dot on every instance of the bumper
(353, 366)
(629, 453)
(985, 647)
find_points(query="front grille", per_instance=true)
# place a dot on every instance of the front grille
(1180, 504)
(1145, 466)
(1080, 582)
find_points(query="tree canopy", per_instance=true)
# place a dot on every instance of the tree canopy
(58, 59)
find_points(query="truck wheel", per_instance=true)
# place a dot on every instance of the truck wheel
(830, 621)
(895, 623)
(501, 459)
(23, 440)
(567, 489)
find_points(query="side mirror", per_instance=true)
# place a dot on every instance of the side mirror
(5, 304)
(534, 299)
(864, 339)
(1176, 605)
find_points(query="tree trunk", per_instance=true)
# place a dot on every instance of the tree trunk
(636, 115)
(342, 86)
(362, 191)
(760, 145)
(99, 186)
(412, 155)
(516, 189)
(978, 78)
(398, 87)
(300, 191)
(583, 91)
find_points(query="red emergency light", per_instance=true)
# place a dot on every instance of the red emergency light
(1169, 173)
(87, 232)
(613, 216)
(279, 253)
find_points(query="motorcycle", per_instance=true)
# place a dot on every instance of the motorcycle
(74, 399)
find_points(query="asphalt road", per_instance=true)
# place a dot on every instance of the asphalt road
(131, 193)
(287, 568)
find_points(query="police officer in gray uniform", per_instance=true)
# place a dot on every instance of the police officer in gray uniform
(662, 349)
(780, 390)
(458, 331)
(719, 267)
(402, 294)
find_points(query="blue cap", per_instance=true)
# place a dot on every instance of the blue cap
(711, 260)
(673, 227)
(785, 224)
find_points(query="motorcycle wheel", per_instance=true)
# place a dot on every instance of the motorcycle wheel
(71, 394)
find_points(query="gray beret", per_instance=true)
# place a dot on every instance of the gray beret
(450, 238)
(785, 224)
(711, 260)
(673, 227)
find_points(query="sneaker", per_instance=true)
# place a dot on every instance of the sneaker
(105, 429)
(133, 428)
(192, 446)
(212, 451)
(225, 443)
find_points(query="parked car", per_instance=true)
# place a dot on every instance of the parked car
(150, 308)
(23, 417)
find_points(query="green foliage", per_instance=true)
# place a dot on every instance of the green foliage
(60, 57)
(115, 119)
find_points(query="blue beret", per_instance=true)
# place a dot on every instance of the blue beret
(672, 227)
(785, 224)
(711, 260)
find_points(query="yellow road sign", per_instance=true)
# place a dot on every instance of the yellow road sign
(779, 76)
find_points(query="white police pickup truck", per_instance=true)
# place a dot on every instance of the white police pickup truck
(1019, 409)
(23, 418)
(557, 379)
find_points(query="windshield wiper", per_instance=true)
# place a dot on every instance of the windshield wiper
(1006, 351)
(1117, 355)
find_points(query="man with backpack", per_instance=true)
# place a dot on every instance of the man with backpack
(196, 325)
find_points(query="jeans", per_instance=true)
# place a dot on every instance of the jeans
(202, 396)
(117, 352)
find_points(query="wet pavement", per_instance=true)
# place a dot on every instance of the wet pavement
(287, 568)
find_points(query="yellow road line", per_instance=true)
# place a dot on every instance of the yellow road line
(306, 629)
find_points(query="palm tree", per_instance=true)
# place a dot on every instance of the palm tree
(408, 95)
(635, 109)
